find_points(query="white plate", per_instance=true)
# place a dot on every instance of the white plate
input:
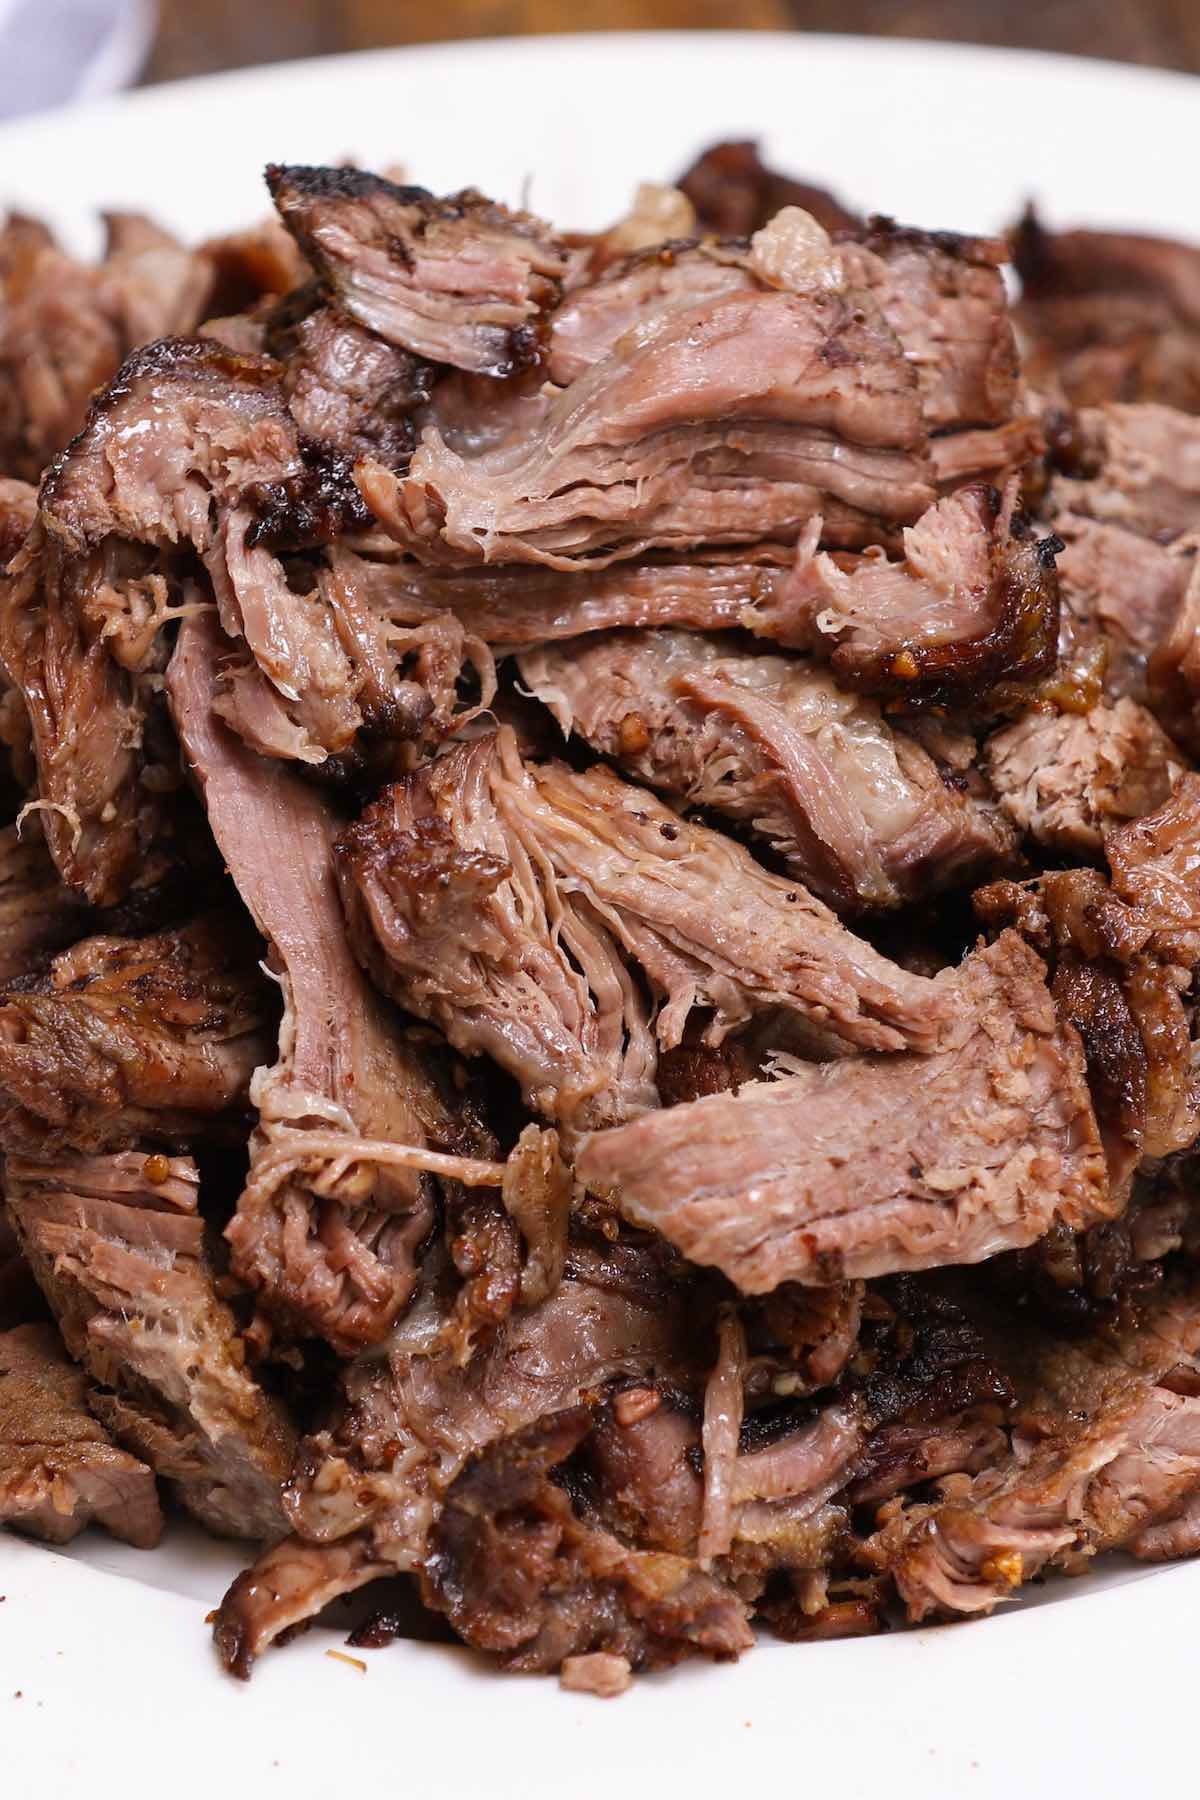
(1090, 1689)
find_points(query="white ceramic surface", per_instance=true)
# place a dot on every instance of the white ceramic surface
(107, 1681)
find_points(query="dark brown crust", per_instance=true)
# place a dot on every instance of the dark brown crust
(1020, 646)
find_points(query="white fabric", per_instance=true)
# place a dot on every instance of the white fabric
(55, 51)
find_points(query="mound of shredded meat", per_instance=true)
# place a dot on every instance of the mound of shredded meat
(600, 911)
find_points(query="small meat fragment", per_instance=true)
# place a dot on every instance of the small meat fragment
(59, 1470)
(124, 1038)
(859, 1167)
(1065, 780)
(65, 326)
(735, 194)
(368, 1490)
(1109, 315)
(1104, 1453)
(975, 603)
(517, 1572)
(458, 280)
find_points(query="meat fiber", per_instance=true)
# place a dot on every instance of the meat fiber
(519, 606)
(337, 1200)
(875, 1164)
(131, 1038)
(1064, 779)
(468, 885)
(858, 811)
(458, 280)
(454, 909)
(117, 1244)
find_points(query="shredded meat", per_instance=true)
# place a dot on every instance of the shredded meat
(868, 1165)
(858, 812)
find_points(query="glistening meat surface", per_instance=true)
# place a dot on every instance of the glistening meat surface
(871, 1165)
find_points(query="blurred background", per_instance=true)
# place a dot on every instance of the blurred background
(201, 35)
(57, 50)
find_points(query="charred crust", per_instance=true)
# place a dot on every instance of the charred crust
(883, 234)
(312, 508)
(172, 359)
(1020, 646)
(298, 182)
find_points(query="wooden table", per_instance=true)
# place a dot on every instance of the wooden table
(198, 36)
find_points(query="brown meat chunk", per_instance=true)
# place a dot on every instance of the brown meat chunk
(59, 1470)
(458, 280)
(117, 1244)
(127, 1038)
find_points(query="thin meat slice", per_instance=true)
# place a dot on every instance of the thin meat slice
(859, 812)
(327, 1235)
(117, 1244)
(1065, 779)
(1105, 1451)
(128, 1038)
(875, 1164)
(1109, 315)
(459, 280)
(974, 603)
(59, 1469)
(633, 290)
(519, 606)
(732, 420)
(468, 884)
